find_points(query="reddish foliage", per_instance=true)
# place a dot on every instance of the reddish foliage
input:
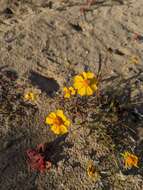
(36, 159)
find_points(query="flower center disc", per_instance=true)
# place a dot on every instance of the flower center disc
(58, 121)
(86, 82)
(131, 160)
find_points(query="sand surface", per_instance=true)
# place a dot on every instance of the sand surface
(47, 42)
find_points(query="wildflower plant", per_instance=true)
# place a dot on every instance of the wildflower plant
(105, 115)
(58, 122)
(36, 160)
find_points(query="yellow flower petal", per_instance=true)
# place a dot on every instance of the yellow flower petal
(90, 75)
(72, 90)
(67, 95)
(84, 75)
(55, 129)
(65, 89)
(68, 92)
(67, 123)
(82, 91)
(60, 113)
(59, 130)
(63, 129)
(50, 118)
(78, 78)
(52, 115)
(94, 87)
(89, 91)
(78, 85)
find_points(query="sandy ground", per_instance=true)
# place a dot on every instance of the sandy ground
(46, 43)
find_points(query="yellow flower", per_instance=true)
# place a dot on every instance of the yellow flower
(130, 160)
(31, 95)
(68, 92)
(92, 172)
(58, 121)
(85, 83)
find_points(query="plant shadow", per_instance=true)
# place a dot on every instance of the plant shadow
(120, 111)
(16, 131)
(54, 151)
(47, 85)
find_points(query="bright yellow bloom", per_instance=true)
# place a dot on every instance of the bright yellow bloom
(58, 122)
(29, 96)
(130, 160)
(68, 92)
(85, 83)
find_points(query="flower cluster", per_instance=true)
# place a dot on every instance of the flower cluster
(68, 92)
(85, 84)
